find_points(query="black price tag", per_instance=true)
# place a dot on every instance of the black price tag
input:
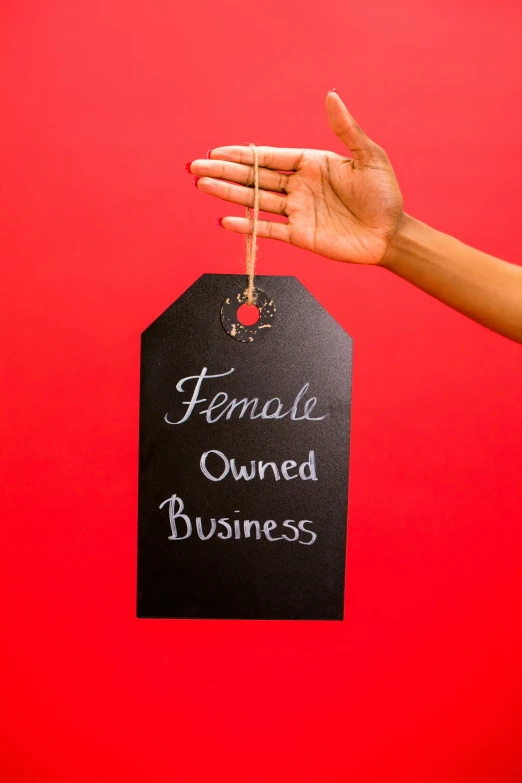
(244, 444)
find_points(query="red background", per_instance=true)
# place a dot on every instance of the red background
(103, 104)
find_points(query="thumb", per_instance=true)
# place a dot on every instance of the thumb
(344, 126)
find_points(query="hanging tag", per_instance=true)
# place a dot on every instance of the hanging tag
(244, 444)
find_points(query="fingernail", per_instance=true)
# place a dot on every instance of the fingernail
(219, 221)
(334, 90)
(187, 166)
(208, 153)
(196, 181)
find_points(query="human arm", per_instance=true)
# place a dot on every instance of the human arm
(476, 284)
(350, 209)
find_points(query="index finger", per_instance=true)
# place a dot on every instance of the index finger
(279, 158)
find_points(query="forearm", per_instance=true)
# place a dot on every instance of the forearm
(476, 284)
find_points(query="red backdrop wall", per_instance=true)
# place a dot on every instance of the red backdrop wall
(103, 104)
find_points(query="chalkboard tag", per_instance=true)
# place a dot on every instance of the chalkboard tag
(243, 462)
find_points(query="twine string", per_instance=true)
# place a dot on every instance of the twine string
(251, 240)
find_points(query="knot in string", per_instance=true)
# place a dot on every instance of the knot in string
(251, 240)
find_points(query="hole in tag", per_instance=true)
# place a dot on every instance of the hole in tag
(247, 323)
(248, 315)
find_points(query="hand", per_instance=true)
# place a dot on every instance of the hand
(342, 208)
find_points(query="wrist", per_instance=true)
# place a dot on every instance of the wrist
(401, 239)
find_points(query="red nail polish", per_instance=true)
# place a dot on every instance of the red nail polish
(208, 153)
(187, 166)
(196, 181)
(219, 221)
(336, 91)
